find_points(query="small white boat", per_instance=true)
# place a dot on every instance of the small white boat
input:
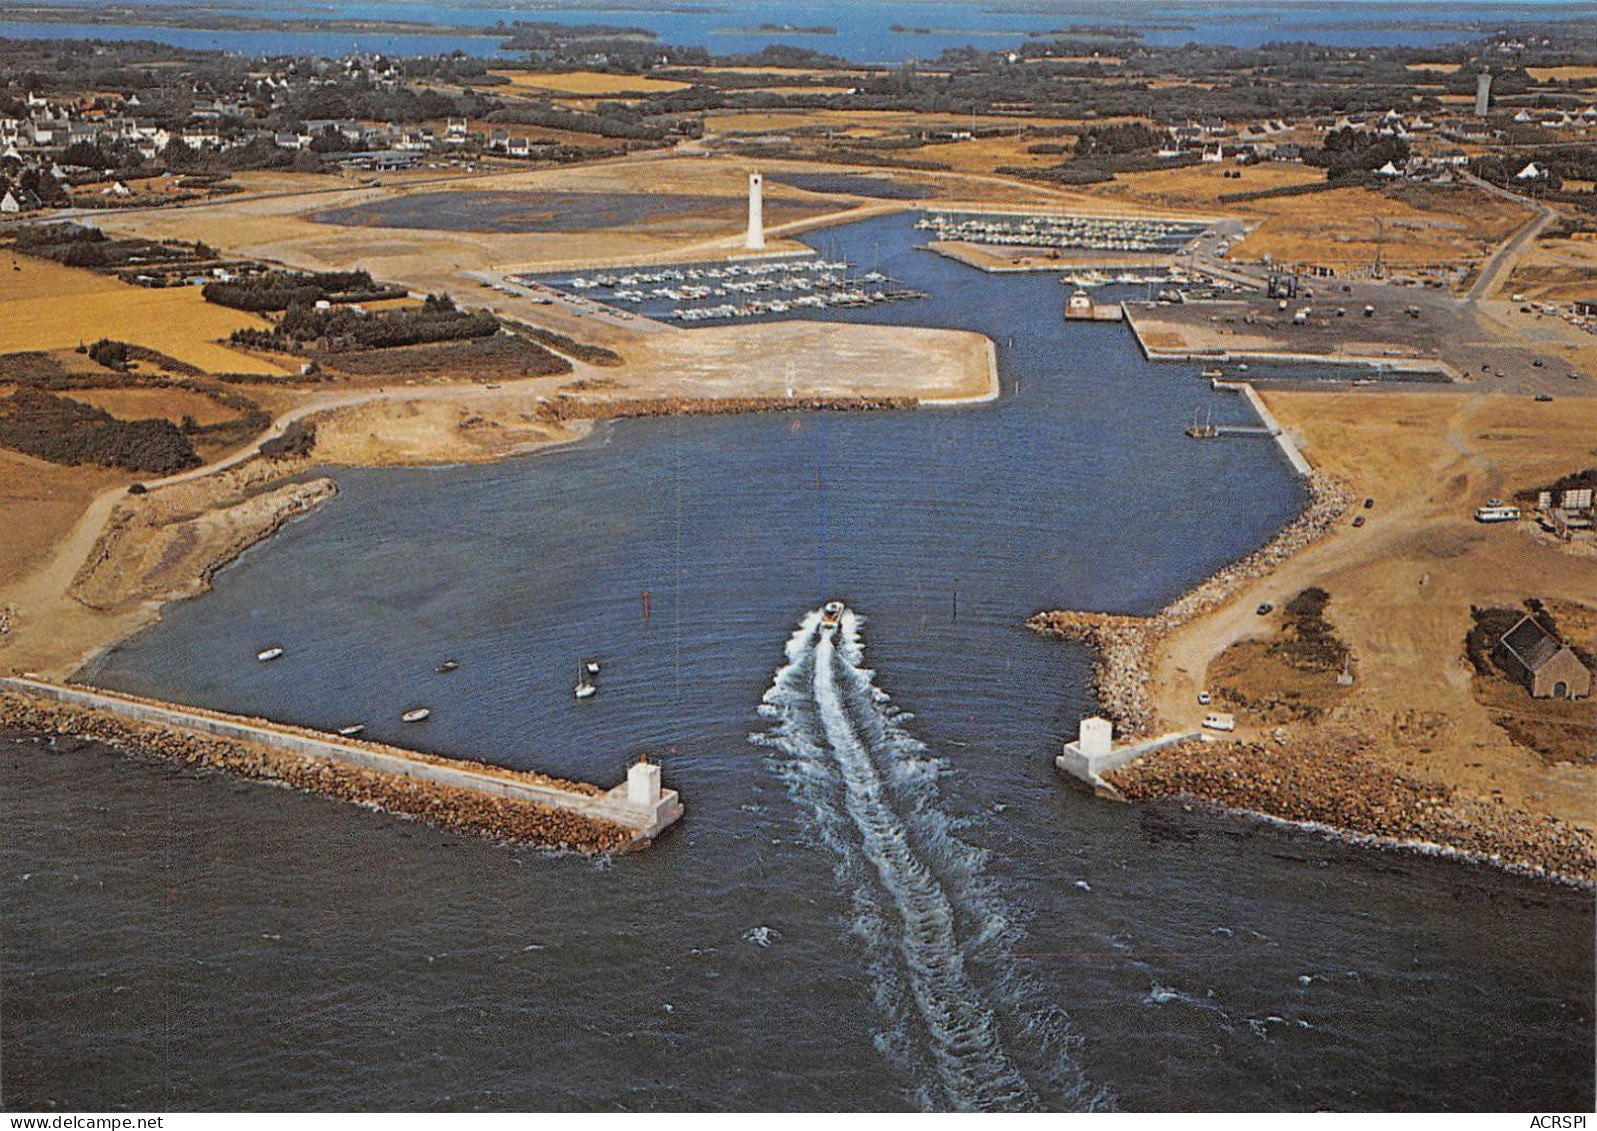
(448, 666)
(832, 614)
(415, 715)
(1213, 373)
(585, 688)
(592, 667)
(268, 654)
(352, 730)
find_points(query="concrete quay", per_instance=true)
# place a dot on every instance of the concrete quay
(1273, 427)
(639, 805)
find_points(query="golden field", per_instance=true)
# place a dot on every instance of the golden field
(1202, 185)
(1402, 585)
(1445, 224)
(1435, 68)
(757, 121)
(1561, 74)
(590, 82)
(167, 404)
(44, 306)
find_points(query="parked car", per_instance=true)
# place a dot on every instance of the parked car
(1203, 698)
(1265, 609)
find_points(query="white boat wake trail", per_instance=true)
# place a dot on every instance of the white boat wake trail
(922, 905)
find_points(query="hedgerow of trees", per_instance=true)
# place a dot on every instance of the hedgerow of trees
(339, 328)
(66, 431)
(280, 290)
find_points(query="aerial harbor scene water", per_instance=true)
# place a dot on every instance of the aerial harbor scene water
(874, 557)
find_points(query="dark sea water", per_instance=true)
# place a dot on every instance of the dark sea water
(863, 33)
(882, 895)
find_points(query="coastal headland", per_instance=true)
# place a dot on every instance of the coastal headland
(1410, 749)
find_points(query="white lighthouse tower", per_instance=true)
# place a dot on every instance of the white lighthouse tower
(755, 240)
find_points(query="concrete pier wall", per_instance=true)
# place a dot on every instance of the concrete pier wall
(647, 817)
(1288, 445)
(1090, 767)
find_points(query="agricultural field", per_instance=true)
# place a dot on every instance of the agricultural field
(865, 121)
(1436, 68)
(1200, 186)
(1420, 225)
(44, 306)
(590, 82)
(1561, 74)
(164, 403)
(986, 154)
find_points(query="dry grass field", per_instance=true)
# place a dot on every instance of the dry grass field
(1421, 225)
(1435, 68)
(1194, 186)
(864, 120)
(1561, 74)
(985, 154)
(590, 82)
(39, 502)
(44, 306)
(168, 404)
(1402, 586)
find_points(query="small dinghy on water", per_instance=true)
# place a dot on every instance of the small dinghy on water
(592, 667)
(415, 715)
(266, 655)
(586, 688)
(448, 666)
(353, 730)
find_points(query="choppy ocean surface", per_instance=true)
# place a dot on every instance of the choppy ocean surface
(882, 895)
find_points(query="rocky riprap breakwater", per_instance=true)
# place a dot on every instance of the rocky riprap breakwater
(1330, 781)
(445, 806)
(570, 408)
(1123, 673)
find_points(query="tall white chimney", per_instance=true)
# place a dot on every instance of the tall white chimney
(756, 237)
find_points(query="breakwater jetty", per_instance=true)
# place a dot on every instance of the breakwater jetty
(1123, 674)
(451, 793)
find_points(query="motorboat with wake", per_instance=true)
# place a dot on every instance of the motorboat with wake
(832, 615)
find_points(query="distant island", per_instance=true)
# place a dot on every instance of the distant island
(906, 29)
(782, 29)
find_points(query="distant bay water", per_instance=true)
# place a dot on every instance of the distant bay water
(863, 30)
